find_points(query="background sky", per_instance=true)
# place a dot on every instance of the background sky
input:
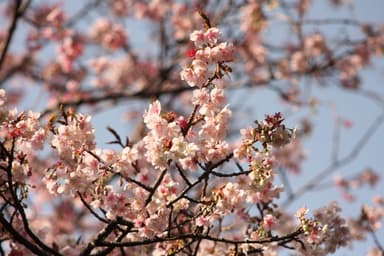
(352, 106)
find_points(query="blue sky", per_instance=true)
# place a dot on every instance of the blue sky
(350, 105)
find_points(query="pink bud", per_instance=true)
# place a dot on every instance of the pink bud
(181, 122)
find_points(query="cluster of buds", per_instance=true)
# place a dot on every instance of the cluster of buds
(269, 132)
(313, 230)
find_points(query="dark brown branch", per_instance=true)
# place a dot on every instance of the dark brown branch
(187, 189)
(183, 175)
(288, 237)
(19, 207)
(17, 13)
(219, 163)
(157, 184)
(100, 238)
(207, 171)
(108, 250)
(91, 210)
(145, 187)
(19, 238)
(115, 97)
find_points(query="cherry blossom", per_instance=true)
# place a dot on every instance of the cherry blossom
(199, 174)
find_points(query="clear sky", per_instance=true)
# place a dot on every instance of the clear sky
(349, 105)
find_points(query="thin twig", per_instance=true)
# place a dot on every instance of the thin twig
(311, 184)
(17, 13)
(157, 184)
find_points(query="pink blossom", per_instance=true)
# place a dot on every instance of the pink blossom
(111, 36)
(315, 45)
(196, 75)
(203, 221)
(211, 36)
(180, 24)
(200, 96)
(298, 62)
(198, 37)
(217, 96)
(98, 65)
(182, 122)
(224, 52)
(56, 17)
(69, 50)
(120, 7)
(268, 222)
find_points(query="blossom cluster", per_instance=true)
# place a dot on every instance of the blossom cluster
(207, 51)
(111, 36)
(326, 232)
(189, 143)
(183, 185)
(174, 138)
(366, 176)
(24, 135)
(117, 74)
